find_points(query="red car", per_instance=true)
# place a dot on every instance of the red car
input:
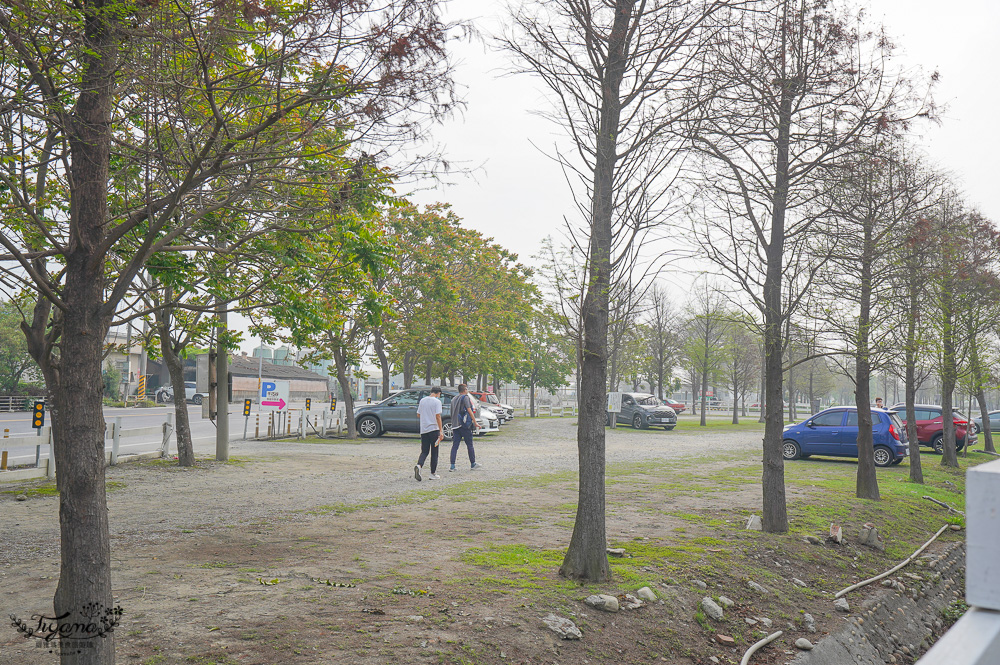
(930, 425)
(675, 405)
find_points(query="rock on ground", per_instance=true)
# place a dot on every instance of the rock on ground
(757, 587)
(842, 605)
(711, 609)
(803, 644)
(646, 593)
(603, 602)
(562, 627)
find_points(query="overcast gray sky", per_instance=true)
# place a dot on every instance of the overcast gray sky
(519, 196)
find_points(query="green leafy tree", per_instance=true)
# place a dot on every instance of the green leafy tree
(15, 361)
(125, 127)
(548, 358)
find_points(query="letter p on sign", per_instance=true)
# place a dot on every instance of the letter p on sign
(266, 387)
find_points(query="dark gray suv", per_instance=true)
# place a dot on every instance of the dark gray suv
(398, 413)
(642, 410)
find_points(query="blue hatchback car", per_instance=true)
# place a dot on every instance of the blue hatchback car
(834, 432)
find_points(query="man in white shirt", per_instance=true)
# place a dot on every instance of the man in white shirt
(431, 432)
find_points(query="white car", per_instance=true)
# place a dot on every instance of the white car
(191, 394)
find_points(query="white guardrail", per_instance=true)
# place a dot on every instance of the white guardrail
(975, 638)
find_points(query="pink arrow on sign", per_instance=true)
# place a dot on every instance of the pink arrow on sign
(280, 403)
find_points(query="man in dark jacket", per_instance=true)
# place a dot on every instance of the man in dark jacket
(463, 423)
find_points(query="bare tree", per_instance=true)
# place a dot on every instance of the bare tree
(663, 337)
(798, 82)
(708, 325)
(872, 193)
(620, 73)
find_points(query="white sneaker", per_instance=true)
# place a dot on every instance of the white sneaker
(433, 476)
(477, 465)
(416, 472)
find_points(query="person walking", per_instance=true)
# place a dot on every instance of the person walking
(463, 423)
(431, 432)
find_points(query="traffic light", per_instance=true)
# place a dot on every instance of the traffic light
(333, 403)
(246, 406)
(38, 417)
(308, 403)
(369, 400)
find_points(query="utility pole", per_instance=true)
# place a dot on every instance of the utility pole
(221, 386)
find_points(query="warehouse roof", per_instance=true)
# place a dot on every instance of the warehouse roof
(246, 366)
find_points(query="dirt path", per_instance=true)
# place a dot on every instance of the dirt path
(333, 553)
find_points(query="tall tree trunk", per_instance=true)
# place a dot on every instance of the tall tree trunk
(775, 517)
(175, 367)
(985, 415)
(428, 366)
(340, 361)
(409, 368)
(910, 387)
(763, 388)
(867, 482)
(948, 379)
(704, 391)
(531, 397)
(383, 360)
(587, 558)
(74, 378)
(980, 394)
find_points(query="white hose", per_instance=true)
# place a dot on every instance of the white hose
(767, 640)
(892, 570)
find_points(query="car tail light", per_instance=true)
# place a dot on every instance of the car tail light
(961, 422)
(893, 432)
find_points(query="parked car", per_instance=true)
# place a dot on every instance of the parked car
(678, 407)
(191, 394)
(994, 417)
(930, 425)
(398, 413)
(641, 410)
(504, 412)
(834, 432)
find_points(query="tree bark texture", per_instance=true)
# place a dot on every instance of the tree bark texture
(77, 419)
(383, 361)
(175, 367)
(867, 482)
(910, 387)
(587, 558)
(775, 514)
(948, 379)
(340, 361)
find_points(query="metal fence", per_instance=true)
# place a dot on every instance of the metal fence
(18, 402)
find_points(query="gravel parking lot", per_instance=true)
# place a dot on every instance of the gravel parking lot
(184, 539)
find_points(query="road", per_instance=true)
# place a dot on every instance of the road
(202, 430)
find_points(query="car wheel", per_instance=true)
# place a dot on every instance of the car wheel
(975, 428)
(937, 444)
(448, 430)
(607, 419)
(790, 449)
(369, 427)
(197, 399)
(883, 456)
(637, 422)
(897, 461)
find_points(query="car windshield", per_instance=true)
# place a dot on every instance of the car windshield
(647, 400)
(492, 399)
